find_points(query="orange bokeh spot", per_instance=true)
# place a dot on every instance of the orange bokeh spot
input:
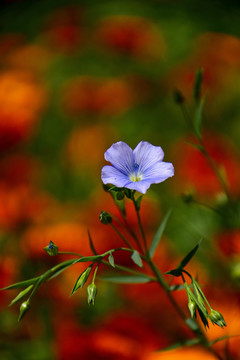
(229, 242)
(68, 236)
(193, 353)
(21, 100)
(79, 152)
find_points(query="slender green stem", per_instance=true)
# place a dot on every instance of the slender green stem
(130, 231)
(69, 253)
(121, 236)
(204, 151)
(187, 117)
(130, 271)
(215, 168)
(140, 224)
(95, 273)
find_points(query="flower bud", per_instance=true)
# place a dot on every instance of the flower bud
(217, 318)
(192, 308)
(120, 195)
(23, 309)
(187, 198)
(105, 218)
(92, 292)
(178, 97)
(51, 249)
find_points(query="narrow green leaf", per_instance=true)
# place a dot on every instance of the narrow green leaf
(158, 234)
(56, 270)
(177, 287)
(111, 260)
(127, 279)
(91, 244)
(21, 284)
(136, 258)
(81, 280)
(189, 256)
(138, 202)
(174, 272)
(198, 118)
(21, 295)
(89, 258)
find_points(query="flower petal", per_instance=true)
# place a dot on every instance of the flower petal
(146, 155)
(120, 155)
(140, 186)
(111, 175)
(159, 172)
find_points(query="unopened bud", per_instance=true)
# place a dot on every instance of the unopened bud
(23, 309)
(178, 97)
(92, 292)
(51, 249)
(192, 308)
(120, 195)
(105, 218)
(187, 197)
(217, 318)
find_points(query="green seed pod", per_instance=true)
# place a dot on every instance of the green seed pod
(105, 218)
(217, 318)
(92, 292)
(178, 97)
(192, 308)
(23, 309)
(51, 249)
(120, 195)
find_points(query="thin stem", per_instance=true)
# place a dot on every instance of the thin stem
(128, 228)
(69, 253)
(121, 236)
(215, 168)
(95, 273)
(187, 117)
(130, 271)
(204, 151)
(140, 224)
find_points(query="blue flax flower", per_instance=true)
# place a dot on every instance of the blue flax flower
(135, 169)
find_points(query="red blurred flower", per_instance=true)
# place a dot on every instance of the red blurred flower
(64, 29)
(131, 35)
(8, 266)
(97, 96)
(228, 242)
(21, 100)
(121, 336)
(194, 173)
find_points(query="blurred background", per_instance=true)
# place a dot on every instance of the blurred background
(75, 77)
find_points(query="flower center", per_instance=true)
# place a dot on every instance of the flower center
(136, 175)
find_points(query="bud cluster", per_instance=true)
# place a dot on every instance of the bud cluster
(197, 302)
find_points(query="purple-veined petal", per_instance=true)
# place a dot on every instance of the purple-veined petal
(140, 186)
(146, 155)
(111, 175)
(120, 155)
(159, 172)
